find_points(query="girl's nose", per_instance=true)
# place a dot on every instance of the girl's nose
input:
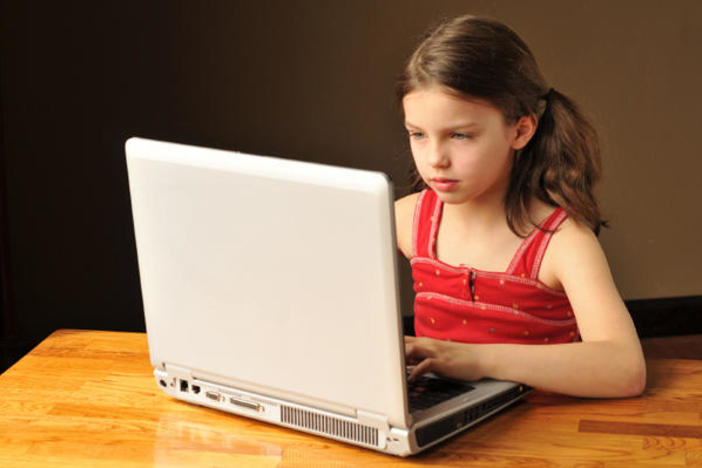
(437, 156)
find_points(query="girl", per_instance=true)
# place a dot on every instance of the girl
(510, 280)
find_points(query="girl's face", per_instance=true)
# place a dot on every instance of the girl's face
(463, 148)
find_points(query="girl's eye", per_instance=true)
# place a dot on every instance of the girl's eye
(461, 136)
(416, 135)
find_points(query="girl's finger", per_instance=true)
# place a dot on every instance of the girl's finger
(421, 368)
(410, 352)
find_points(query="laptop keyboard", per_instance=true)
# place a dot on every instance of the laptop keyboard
(425, 392)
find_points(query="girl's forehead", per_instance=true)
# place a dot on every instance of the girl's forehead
(439, 102)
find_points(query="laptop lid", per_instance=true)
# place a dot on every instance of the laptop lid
(273, 275)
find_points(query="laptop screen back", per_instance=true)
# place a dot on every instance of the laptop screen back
(270, 274)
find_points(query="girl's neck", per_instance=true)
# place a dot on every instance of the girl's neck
(486, 214)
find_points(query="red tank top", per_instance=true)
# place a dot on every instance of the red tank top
(461, 303)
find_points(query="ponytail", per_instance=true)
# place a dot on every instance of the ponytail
(559, 166)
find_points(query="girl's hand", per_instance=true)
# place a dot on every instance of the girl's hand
(445, 358)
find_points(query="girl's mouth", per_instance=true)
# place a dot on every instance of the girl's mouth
(443, 184)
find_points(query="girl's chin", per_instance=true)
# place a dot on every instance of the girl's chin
(452, 198)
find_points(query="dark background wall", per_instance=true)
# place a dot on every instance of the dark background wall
(307, 80)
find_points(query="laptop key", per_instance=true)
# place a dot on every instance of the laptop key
(425, 392)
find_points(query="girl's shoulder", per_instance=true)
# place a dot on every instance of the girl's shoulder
(572, 247)
(404, 220)
(405, 205)
(572, 234)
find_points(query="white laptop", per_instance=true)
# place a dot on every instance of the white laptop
(270, 291)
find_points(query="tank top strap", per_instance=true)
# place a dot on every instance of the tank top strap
(539, 247)
(426, 217)
(527, 261)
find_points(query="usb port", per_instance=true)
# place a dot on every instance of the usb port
(213, 396)
(196, 389)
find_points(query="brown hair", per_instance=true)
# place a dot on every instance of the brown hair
(482, 58)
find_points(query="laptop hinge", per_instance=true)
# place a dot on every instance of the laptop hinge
(373, 420)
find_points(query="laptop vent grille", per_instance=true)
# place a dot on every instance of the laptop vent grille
(329, 425)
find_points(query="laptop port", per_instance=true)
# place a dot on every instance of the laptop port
(162, 383)
(214, 396)
(246, 404)
(183, 385)
(196, 389)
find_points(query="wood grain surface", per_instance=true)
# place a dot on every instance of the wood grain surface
(88, 398)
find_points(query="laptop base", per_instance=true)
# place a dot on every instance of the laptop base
(366, 430)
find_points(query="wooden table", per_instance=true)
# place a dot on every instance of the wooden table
(88, 398)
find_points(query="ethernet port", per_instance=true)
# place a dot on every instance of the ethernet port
(184, 385)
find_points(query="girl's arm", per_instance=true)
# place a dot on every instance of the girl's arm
(607, 363)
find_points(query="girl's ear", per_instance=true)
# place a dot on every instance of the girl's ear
(525, 129)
